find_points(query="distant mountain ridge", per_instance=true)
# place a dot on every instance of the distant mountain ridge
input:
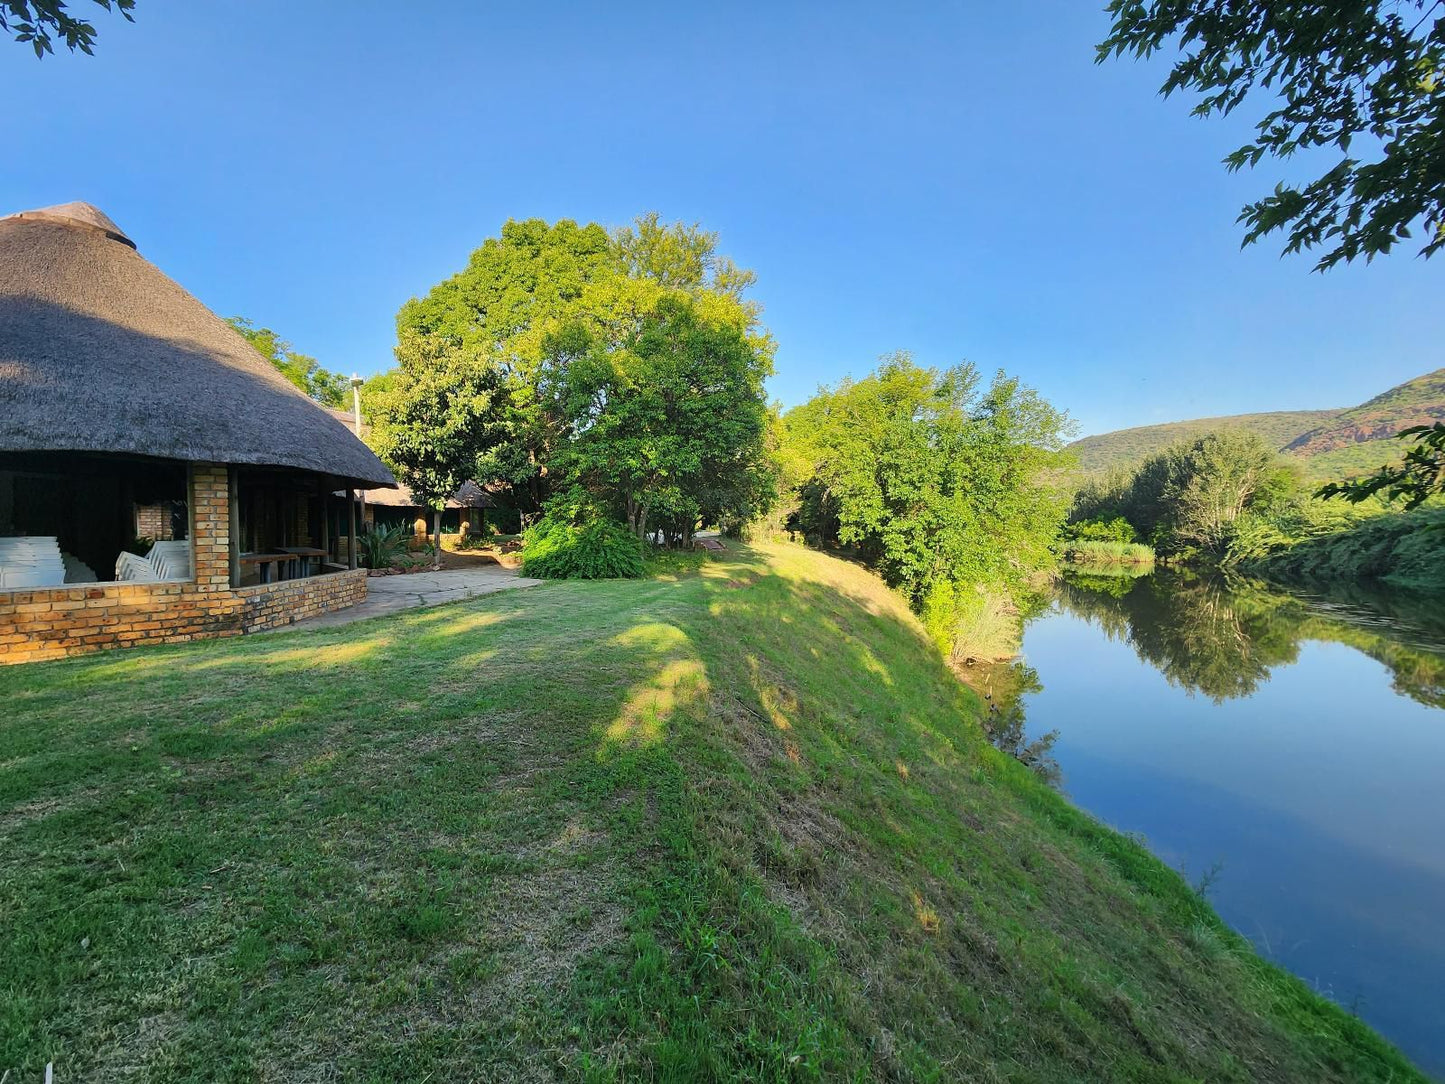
(1330, 443)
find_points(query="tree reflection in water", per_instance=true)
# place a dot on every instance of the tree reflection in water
(1223, 638)
(1003, 686)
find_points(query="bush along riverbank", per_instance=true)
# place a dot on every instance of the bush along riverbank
(1226, 500)
(1097, 552)
(1402, 550)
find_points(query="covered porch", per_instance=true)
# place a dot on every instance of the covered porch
(84, 518)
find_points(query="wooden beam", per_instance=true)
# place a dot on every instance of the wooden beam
(325, 536)
(351, 546)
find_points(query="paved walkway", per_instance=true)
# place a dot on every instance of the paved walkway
(392, 594)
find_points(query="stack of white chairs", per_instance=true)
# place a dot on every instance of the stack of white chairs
(171, 560)
(166, 561)
(129, 566)
(30, 562)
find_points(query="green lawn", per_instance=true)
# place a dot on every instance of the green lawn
(728, 823)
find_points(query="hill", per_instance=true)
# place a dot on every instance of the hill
(1416, 402)
(1329, 443)
(732, 823)
(1129, 447)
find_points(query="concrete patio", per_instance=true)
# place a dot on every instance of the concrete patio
(392, 594)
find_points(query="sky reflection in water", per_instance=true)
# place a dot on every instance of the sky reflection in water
(1295, 743)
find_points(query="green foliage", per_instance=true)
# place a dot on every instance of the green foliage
(35, 21)
(1094, 551)
(665, 424)
(1419, 476)
(1190, 496)
(380, 546)
(434, 419)
(305, 372)
(927, 475)
(1368, 72)
(1117, 529)
(542, 297)
(1404, 550)
(598, 549)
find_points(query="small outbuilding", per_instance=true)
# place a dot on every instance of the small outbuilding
(159, 479)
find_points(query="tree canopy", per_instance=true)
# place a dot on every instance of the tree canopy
(590, 334)
(39, 22)
(932, 476)
(665, 424)
(304, 371)
(1196, 494)
(1365, 77)
(434, 420)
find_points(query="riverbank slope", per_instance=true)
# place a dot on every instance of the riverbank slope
(1402, 550)
(733, 823)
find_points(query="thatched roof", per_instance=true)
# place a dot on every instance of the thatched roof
(101, 352)
(470, 495)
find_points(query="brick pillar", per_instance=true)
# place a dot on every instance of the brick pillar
(211, 525)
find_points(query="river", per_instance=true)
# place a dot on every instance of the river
(1285, 751)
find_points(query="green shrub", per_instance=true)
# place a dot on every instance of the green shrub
(597, 550)
(1098, 552)
(379, 546)
(1117, 529)
(971, 623)
(1405, 550)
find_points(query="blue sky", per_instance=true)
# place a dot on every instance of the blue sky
(958, 180)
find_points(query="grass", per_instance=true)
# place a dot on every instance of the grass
(1099, 552)
(732, 822)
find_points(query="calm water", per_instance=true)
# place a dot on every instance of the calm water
(1293, 745)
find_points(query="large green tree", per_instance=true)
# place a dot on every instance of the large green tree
(523, 294)
(930, 475)
(434, 419)
(1363, 77)
(304, 371)
(665, 423)
(1195, 493)
(39, 22)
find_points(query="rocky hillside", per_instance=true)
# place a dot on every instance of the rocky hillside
(1416, 402)
(1330, 443)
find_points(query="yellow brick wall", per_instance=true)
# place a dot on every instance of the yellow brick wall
(53, 622)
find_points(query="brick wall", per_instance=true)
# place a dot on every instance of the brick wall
(49, 623)
(273, 605)
(153, 521)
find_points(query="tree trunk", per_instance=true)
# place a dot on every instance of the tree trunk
(436, 519)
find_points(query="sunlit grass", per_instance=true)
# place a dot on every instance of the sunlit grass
(733, 822)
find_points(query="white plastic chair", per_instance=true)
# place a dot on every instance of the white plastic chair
(32, 561)
(130, 567)
(171, 560)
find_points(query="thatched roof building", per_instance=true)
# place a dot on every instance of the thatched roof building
(101, 352)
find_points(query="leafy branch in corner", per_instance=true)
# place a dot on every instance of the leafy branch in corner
(39, 21)
(1343, 73)
(1416, 478)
